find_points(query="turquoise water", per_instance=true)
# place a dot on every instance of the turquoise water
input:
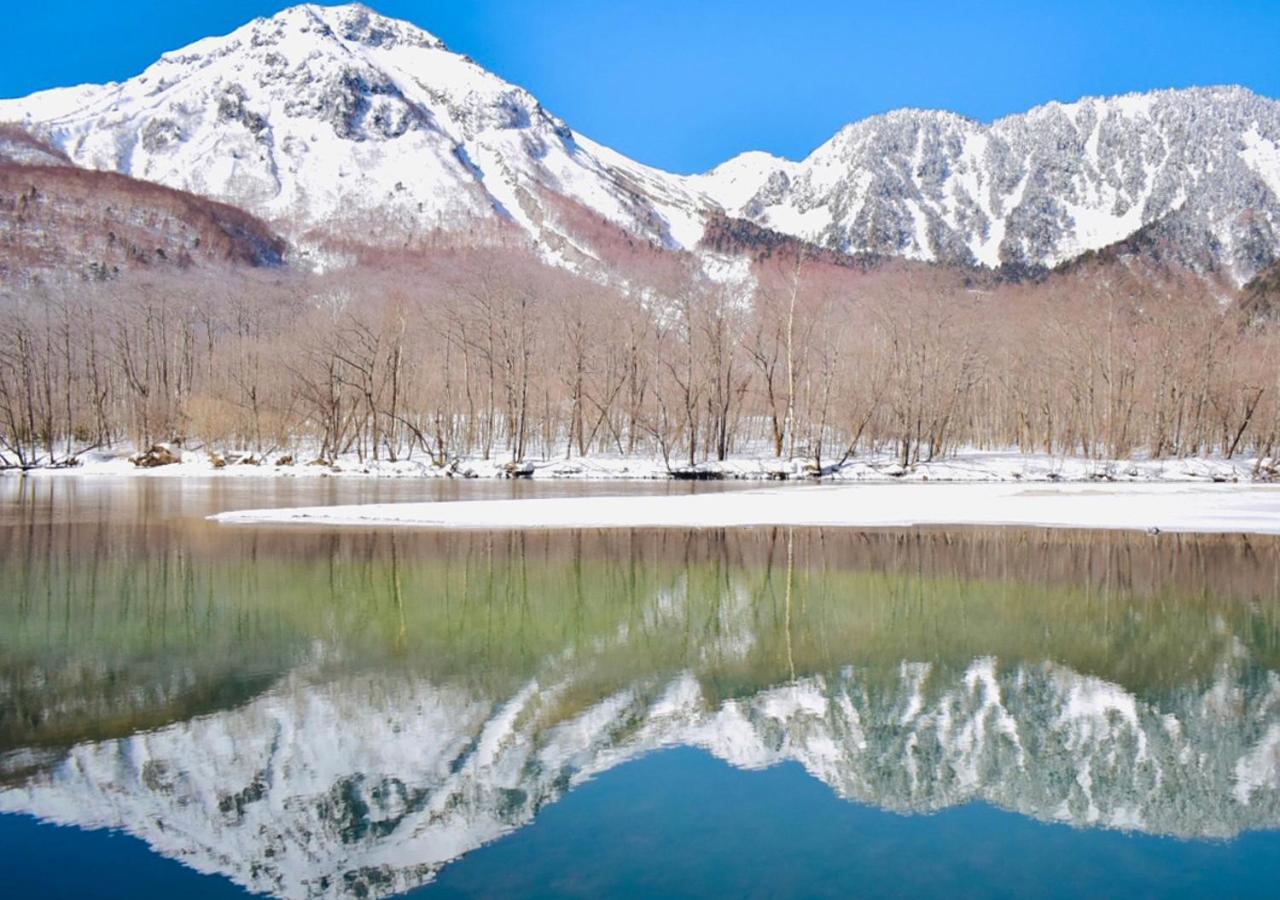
(194, 710)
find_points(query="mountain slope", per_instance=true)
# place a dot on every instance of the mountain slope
(58, 220)
(19, 148)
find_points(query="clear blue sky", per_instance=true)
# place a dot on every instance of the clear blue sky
(685, 85)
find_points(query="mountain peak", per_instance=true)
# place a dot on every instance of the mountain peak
(306, 29)
(355, 23)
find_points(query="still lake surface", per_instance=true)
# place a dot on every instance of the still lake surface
(206, 711)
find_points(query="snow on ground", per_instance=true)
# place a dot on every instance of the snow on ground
(1165, 507)
(965, 466)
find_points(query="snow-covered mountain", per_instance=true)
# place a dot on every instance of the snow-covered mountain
(368, 785)
(335, 122)
(341, 121)
(1039, 188)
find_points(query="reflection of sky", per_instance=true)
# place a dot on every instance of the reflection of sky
(682, 823)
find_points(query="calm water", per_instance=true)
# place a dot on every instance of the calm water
(194, 710)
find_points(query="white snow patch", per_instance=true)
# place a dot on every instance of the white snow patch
(1263, 156)
(1141, 507)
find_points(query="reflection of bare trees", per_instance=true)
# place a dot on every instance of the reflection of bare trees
(107, 623)
(469, 353)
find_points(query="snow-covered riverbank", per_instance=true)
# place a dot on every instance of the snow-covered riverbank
(966, 466)
(1213, 508)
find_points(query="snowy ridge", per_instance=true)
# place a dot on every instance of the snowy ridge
(337, 122)
(367, 787)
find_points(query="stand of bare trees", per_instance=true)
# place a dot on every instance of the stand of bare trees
(491, 354)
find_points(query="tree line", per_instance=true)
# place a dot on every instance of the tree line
(490, 354)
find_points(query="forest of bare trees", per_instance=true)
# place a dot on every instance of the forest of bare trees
(490, 354)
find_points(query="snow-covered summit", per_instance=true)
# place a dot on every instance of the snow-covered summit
(341, 121)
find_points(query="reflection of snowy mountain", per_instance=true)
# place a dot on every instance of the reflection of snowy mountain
(372, 783)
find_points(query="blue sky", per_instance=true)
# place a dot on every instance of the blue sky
(685, 85)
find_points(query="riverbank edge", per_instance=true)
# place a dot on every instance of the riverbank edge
(967, 466)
